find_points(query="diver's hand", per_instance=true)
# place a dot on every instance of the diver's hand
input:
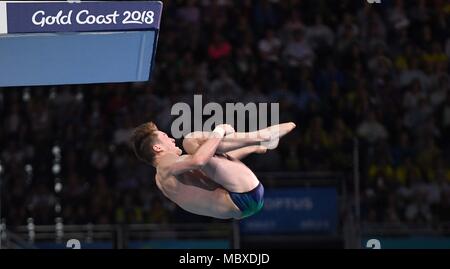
(227, 128)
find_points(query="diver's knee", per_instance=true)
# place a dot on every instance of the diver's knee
(192, 141)
(195, 135)
(190, 145)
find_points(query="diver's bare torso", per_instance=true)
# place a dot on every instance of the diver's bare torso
(195, 192)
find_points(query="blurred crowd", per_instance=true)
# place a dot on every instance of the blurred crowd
(344, 71)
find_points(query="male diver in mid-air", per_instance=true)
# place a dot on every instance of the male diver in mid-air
(209, 180)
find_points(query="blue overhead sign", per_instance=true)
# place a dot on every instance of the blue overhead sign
(60, 43)
(49, 17)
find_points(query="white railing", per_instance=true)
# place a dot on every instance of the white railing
(406, 229)
(120, 235)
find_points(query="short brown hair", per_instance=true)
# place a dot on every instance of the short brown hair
(142, 140)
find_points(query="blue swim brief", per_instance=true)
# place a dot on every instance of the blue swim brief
(249, 202)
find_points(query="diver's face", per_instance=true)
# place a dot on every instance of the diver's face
(166, 143)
